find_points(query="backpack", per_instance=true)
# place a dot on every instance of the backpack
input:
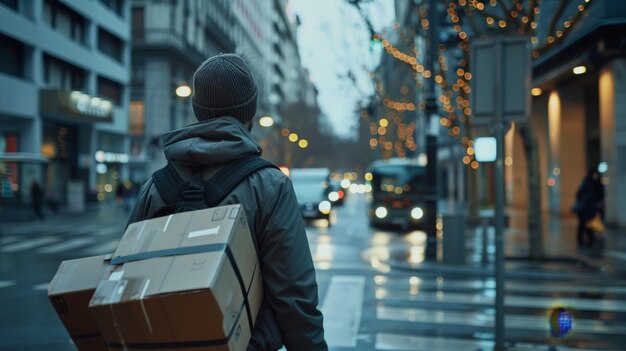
(194, 194)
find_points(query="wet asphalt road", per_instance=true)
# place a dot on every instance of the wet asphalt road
(376, 290)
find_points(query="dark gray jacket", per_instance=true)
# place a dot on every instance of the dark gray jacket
(289, 313)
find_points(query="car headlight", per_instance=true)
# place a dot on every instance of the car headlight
(381, 212)
(333, 196)
(417, 213)
(324, 207)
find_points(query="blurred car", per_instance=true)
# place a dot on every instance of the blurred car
(312, 188)
(336, 194)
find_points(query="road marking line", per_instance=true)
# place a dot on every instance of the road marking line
(102, 249)
(487, 299)
(28, 244)
(6, 283)
(41, 287)
(474, 319)
(65, 246)
(387, 341)
(342, 309)
(404, 283)
(9, 240)
(616, 254)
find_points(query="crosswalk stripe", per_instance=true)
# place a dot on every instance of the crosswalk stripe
(524, 322)
(389, 341)
(66, 245)
(9, 239)
(441, 283)
(41, 287)
(102, 249)
(511, 301)
(28, 244)
(6, 283)
(616, 254)
(108, 231)
(342, 317)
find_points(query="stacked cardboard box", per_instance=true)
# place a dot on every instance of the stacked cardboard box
(189, 281)
(70, 291)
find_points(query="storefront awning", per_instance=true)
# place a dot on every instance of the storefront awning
(75, 105)
(22, 157)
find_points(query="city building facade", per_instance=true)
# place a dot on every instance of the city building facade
(64, 70)
(578, 113)
(170, 40)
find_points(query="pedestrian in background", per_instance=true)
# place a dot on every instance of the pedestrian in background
(128, 197)
(119, 193)
(589, 204)
(224, 102)
(37, 199)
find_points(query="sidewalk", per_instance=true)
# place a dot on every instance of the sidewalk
(560, 242)
(93, 213)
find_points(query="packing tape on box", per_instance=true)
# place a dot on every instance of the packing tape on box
(143, 307)
(188, 250)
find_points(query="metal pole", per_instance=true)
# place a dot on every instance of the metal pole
(499, 175)
(431, 138)
(499, 213)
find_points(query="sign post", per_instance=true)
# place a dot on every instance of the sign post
(500, 94)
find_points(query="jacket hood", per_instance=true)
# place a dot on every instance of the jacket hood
(210, 142)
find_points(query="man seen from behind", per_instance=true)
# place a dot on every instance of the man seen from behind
(224, 102)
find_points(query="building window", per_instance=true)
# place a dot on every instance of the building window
(110, 45)
(65, 21)
(137, 75)
(11, 56)
(62, 75)
(137, 23)
(136, 118)
(116, 6)
(110, 90)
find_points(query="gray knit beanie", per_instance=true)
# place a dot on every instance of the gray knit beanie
(224, 86)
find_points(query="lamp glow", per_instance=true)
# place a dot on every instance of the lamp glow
(579, 69)
(183, 91)
(266, 121)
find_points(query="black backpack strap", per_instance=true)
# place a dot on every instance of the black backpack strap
(173, 189)
(227, 178)
(193, 196)
(169, 184)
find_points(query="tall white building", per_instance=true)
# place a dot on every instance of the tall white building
(64, 70)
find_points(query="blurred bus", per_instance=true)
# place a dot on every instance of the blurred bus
(398, 195)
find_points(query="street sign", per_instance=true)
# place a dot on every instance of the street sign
(501, 78)
(485, 149)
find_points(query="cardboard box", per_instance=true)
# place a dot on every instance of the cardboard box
(181, 282)
(70, 291)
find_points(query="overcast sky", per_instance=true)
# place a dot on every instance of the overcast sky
(334, 41)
